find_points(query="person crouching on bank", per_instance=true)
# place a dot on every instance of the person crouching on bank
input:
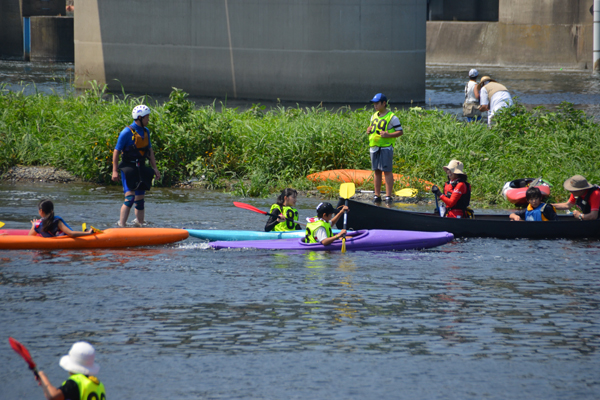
(135, 147)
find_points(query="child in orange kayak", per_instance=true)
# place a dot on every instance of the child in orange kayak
(51, 225)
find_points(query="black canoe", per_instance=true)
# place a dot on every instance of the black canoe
(370, 216)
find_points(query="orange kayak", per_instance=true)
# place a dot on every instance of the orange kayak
(360, 176)
(110, 238)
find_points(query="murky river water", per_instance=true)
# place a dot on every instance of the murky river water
(477, 318)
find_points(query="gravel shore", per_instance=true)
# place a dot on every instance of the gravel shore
(38, 174)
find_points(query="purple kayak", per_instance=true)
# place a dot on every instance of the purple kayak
(364, 240)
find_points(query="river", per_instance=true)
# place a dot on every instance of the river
(444, 86)
(473, 319)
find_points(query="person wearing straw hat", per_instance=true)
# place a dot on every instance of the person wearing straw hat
(82, 383)
(457, 191)
(471, 104)
(492, 96)
(583, 195)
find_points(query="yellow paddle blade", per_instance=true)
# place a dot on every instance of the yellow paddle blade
(83, 226)
(347, 190)
(96, 230)
(407, 192)
(325, 189)
(1, 224)
(344, 244)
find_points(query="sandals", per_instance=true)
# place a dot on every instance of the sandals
(376, 199)
(389, 200)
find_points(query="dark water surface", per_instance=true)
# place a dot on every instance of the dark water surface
(444, 86)
(473, 319)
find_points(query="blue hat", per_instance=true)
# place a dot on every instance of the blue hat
(379, 97)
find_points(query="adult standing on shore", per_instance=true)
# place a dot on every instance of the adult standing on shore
(583, 195)
(135, 147)
(471, 104)
(492, 96)
(384, 129)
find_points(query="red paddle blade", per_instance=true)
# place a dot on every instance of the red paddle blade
(23, 352)
(249, 207)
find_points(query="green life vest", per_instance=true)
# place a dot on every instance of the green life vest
(378, 125)
(312, 227)
(90, 388)
(291, 214)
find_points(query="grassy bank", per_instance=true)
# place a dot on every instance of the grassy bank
(266, 151)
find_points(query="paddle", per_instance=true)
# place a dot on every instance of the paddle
(406, 192)
(95, 230)
(22, 351)
(346, 191)
(246, 206)
(1, 224)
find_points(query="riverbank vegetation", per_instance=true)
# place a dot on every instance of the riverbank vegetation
(264, 150)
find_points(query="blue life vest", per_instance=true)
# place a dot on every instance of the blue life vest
(536, 214)
(54, 230)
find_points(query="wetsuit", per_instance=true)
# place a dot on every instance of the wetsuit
(134, 144)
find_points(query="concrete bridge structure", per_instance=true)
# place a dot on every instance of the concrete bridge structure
(317, 50)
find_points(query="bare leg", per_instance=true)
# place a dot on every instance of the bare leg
(139, 214)
(389, 183)
(377, 182)
(125, 211)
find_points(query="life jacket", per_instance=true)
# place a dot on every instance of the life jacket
(536, 214)
(464, 200)
(291, 215)
(90, 388)
(378, 125)
(494, 87)
(584, 202)
(54, 230)
(139, 150)
(312, 227)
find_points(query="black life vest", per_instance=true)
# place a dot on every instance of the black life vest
(53, 230)
(584, 202)
(138, 151)
(465, 200)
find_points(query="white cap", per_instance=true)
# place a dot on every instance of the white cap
(80, 359)
(473, 73)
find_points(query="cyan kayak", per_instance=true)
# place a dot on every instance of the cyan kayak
(226, 235)
(371, 240)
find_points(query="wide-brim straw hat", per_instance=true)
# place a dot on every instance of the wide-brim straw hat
(80, 359)
(577, 182)
(456, 167)
(483, 80)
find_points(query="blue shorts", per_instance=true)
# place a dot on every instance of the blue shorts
(126, 189)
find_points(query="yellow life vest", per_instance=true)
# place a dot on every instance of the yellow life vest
(291, 215)
(378, 125)
(312, 227)
(90, 388)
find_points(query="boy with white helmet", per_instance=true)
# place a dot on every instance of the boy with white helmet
(82, 383)
(135, 147)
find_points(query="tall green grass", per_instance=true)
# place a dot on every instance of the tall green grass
(267, 150)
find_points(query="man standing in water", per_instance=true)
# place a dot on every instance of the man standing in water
(135, 147)
(384, 129)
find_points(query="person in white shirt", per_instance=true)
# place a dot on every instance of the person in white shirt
(471, 104)
(492, 96)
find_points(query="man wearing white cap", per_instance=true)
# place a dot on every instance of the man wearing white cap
(583, 195)
(471, 104)
(492, 96)
(82, 384)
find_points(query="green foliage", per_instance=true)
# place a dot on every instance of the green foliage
(265, 151)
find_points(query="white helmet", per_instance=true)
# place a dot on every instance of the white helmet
(140, 111)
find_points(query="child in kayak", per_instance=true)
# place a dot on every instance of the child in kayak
(319, 231)
(284, 213)
(536, 210)
(51, 225)
(82, 383)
